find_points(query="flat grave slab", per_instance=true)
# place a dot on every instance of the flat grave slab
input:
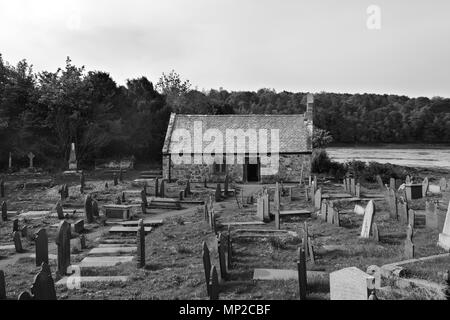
(121, 229)
(116, 245)
(113, 251)
(83, 280)
(135, 223)
(336, 195)
(105, 261)
(34, 214)
(280, 274)
(246, 223)
(117, 241)
(294, 212)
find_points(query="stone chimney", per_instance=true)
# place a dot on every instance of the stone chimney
(309, 107)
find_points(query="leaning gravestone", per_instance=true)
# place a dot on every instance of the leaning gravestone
(140, 242)
(4, 211)
(409, 245)
(63, 242)
(206, 265)
(59, 211)
(369, 214)
(444, 237)
(17, 242)
(350, 284)
(2, 286)
(41, 247)
(88, 209)
(43, 287)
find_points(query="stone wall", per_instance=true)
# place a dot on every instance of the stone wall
(289, 170)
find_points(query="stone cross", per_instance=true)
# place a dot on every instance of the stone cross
(31, 157)
(206, 265)
(2, 286)
(302, 274)
(409, 245)
(43, 287)
(63, 242)
(140, 242)
(41, 244)
(369, 214)
(17, 242)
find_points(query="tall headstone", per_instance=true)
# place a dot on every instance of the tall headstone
(411, 217)
(350, 284)
(324, 210)
(277, 218)
(391, 198)
(88, 209)
(425, 185)
(302, 273)
(444, 237)
(330, 213)
(358, 190)
(409, 245)
(72, 158)
(187, 191)
(31, 158)
(369, 214)
(375, 234)
(144, 198)
(17, 242)
(4, 211)
(41, 244)
(206, 265)
(266, 206)
(380, 182)
(260, 208)
(43, 287)
(352, 186)
(392, 183)
(63, 242)
(140, 242)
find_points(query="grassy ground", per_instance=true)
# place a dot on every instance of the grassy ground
(174, 268)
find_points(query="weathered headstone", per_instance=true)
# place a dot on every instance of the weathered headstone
(276, 197)
(444, 237)
(375, 271)
(350, 284)
(411, 217)
(63, 242)
(409, 245)
(336, 218)
(206, 265)
(31, 158)
(431, 213)
(277, 218)
(213, 284)
(15, 225)
(95, 210)
(17, 242)
(392, 202)
(443, 184)
(266, 206)
(369, 214)
(425, 185)
(380, 182)
(140, 242)
(83, 242)
(375, 233)
(352, 186)
(324, 210)
(41, 247)
(43, 287)
(88, 209)
(330, 213)
(4, 211)
(2, 286)
(358, 190)
(72, 158)
(402, 209)
(408, 180)
(392, 183)
(318, 199)
(59, 211)
(302, 273)
(78, 226)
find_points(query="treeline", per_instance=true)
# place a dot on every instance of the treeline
(45, 112)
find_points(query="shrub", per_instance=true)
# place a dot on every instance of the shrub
(321, 162)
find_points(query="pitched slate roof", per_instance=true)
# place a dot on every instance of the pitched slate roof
(294, 134)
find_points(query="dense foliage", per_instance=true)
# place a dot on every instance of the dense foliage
(44, 112)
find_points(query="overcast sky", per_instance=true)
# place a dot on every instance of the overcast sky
(294, 45)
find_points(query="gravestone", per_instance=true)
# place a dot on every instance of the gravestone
(409, 245)
(2, 189)
(95, 210)
(392, 202)
(17, 242)
(205, 212)
(226, 185)
(336, 219)
(144, 198)
(375, 233)
(260, 208)
(411, 218)
(72, 158)
(78, 226)
(121, 175)
(15, 225)
(143, 208)
(156, 187)
(222, 259)
(375, 271)
(2, 286)
(140, 243)
(352, 186)
(63, 242)
(59, 211)
(163, 189)
(218, 194)
(181, 195)
(66, 191)
(83, 242)
(106, 186)
(115, 179)
(25, 295)
(345, 185)
(88, 209)
(4, 211)
(206, 265)
(277, 218)
(187, 191)
(369, 214)
(302, 273)
(323, 210)
(330, 213)
(408, 180)
(431, 213)
(43, 287)
(276, 197)
(213, 284)
(31, 158)
(306, 193)
(82, 182)
(380, 182)
(392, 184)
(358, 190)
(444, 237)
(266, 206)
(123, 197)
(350, 284)
(402, 207)
(425, 185)
(230, 249)
(41, 244)
(205, 183)
(318, 199)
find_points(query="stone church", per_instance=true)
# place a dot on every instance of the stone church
(252, 148)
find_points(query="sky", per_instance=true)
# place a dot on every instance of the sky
(292, 45)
